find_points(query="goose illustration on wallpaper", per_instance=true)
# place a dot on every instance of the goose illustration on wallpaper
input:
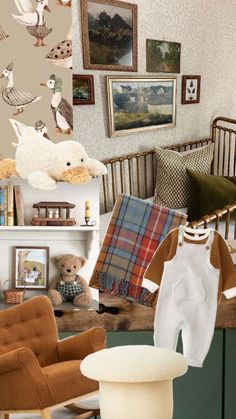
(13, 96)
(33, 18)
(66, 3)
(61, 53)
(19, 128)
(27, 25)
(3, 34)
(61, 108)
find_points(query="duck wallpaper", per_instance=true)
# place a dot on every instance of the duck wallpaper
(36, 52)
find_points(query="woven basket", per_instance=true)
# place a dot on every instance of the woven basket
(13, 295)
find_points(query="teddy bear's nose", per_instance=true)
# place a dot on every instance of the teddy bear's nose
(68, 270)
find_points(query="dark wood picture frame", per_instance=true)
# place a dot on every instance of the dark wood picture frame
(185, 100)
(86, 41)
(91, 98)
(15, 271)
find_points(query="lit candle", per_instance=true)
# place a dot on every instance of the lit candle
(87, 209)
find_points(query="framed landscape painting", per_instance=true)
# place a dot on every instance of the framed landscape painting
(30, 267)
(109, 34)
(140, 103)
(83, 90)
(163, 56)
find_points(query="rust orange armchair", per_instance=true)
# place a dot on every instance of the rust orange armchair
(37, 371)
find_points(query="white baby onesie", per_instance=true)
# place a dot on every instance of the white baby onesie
(187, 299)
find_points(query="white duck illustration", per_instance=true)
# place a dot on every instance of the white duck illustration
(14, 97)
(33, 19)
(19, 128)
(61, 109)
(61, 54)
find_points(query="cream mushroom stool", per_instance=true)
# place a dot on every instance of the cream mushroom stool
(135, 381)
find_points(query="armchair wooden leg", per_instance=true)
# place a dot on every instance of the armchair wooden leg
(45, 414)
(4, 415)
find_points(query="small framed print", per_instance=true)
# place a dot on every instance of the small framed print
(31, 267)
(191, 86)
(83, 90)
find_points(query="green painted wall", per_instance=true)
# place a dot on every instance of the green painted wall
(230, 374)
(203, 393)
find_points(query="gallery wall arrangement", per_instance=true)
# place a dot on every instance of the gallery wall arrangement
(110, 40)
(164, 49)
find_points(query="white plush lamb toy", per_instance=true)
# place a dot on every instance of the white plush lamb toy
(43, 163)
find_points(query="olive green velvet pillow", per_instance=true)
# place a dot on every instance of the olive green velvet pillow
(209, 193)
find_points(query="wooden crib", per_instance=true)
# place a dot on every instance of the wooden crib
(136, 173)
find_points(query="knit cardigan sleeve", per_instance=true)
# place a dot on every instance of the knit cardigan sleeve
(165, 251)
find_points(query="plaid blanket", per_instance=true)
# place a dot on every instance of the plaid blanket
(133, 235)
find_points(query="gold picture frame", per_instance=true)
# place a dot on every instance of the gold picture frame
(139, 103)
(102, 49)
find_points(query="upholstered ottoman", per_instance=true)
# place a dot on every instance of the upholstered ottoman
(135, 381)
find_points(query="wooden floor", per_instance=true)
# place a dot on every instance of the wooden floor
(59, 414)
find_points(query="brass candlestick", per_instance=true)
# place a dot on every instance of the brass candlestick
(86, 220)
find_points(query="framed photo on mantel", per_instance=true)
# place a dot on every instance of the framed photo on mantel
(109, 35)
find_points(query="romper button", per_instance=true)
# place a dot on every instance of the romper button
(208, 247)
(180, 244)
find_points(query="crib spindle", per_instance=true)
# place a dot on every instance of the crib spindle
(138, 178)
(113, 182)
(130, 177)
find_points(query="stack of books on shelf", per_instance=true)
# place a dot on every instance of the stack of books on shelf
(11, 206)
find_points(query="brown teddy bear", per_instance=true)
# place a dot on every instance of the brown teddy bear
(69, 286)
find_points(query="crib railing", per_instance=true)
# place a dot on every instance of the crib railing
(136, 173)
(226, 215)
(224, 137)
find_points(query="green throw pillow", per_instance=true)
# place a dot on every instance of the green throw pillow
(209, 193)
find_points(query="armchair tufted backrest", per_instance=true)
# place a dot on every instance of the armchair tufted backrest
(32, 325)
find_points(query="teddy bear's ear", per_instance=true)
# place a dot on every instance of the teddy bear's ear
(56, 259)
(82, 260)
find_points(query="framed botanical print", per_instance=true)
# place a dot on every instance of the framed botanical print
(83, 89)
(191, 86)
(140, 104)
(109, 34)
(31, 267)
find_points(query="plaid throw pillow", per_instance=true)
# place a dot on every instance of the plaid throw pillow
(172, 183)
